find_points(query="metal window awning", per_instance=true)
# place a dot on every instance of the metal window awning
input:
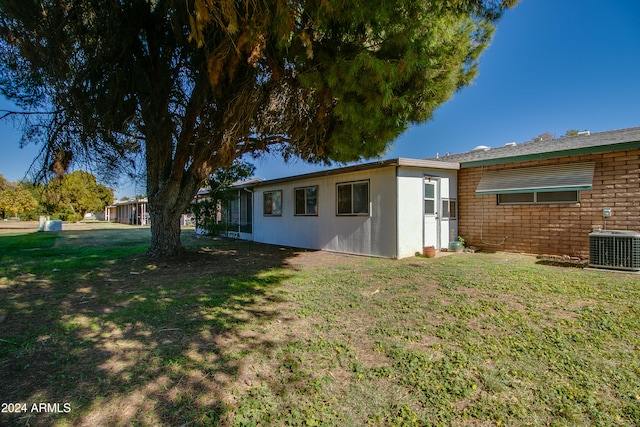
(569, 177)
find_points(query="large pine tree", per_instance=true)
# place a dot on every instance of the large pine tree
(194, 84)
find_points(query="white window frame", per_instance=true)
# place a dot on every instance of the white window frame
(431, 201)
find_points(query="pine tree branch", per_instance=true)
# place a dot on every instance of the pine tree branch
(8, 113)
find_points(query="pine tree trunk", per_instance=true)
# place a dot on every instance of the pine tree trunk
(171, 186)
(165, 231)
(165, 209)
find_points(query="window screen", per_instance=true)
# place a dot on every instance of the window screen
(545, 197)
(307, 200)
(449, 209)
(353, 198)
(429, 198)
(272, 203)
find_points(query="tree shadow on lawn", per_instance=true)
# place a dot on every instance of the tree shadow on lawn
(113, 337)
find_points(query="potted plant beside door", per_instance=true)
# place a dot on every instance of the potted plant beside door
(457, 246)
(429, 251)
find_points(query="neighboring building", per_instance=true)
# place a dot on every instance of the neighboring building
(94, 216)
(136, 212)
(546, 197)
(132, 211)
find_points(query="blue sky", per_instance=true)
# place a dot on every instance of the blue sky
(553, 65)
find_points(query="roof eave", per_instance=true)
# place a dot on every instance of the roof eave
(401, 161)
(422, 163)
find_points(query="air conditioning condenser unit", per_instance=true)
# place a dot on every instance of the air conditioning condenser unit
(615, 249)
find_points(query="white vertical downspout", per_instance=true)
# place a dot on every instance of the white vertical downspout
(397, 214)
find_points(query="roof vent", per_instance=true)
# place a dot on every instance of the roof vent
(480, 148)
(510, 144)
(584, 133)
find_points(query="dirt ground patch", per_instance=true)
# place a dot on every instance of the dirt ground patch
(11, 226)
(8, 226)
(302, 258)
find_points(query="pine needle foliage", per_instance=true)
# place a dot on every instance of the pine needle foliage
(188, 86)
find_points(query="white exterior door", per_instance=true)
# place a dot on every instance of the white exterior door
(431, 207)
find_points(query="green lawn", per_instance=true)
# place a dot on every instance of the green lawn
(242, 334)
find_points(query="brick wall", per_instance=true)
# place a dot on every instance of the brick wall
(555, 229)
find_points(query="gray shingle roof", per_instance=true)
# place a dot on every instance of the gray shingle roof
(552, 148)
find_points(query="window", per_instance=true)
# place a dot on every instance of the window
(516, 198)
(558, 197)
(539, 198)
(272, 203)
(449, 209)
(353, 198)
(429, 198)
(307, 200)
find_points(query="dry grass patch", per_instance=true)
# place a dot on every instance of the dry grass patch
(239, 334)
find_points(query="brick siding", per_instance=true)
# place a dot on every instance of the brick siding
(554, 229)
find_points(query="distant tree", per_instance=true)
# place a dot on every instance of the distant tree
(547, 136)
(208, 209)
(76, 193)
(35, 189)
(14, 200)
(191, 85)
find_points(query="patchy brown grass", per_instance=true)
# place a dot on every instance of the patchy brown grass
(236, 333)
(94, 323)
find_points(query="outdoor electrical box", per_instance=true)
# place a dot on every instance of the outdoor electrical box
(606, 212)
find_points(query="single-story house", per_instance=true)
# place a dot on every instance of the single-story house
(132, 211)
(136, 212)
(535, 197)
(386, 208)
